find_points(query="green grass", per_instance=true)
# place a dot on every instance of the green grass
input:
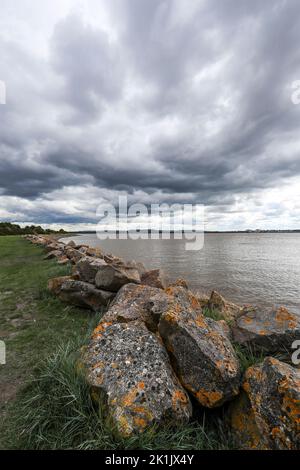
(32, 322)
(247, 356)
(212, 313)
(50, 407)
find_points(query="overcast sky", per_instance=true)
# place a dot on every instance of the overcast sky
(163, 100)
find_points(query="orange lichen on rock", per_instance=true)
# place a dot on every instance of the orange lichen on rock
(201, 322)
(209, 398)
(100, 329)
(283, 316)
(244, 426)
(179, 397)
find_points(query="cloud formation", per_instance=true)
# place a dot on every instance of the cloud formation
(163, 100)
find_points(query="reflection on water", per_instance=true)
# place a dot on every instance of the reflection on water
(246, 268)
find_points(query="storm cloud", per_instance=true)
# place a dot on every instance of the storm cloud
(162, 100)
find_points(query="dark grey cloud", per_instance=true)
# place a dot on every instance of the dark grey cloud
(184, 101)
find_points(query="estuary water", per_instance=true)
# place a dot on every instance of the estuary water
(255, 268)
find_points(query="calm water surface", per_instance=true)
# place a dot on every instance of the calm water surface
(261, 269)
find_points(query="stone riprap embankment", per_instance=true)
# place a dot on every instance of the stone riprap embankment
(157, 352)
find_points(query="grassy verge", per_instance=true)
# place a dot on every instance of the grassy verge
(46, 402)
(32, 322)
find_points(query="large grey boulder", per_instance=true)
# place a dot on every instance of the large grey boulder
(200, 348)
(134, 302)
(267, 414)
(73, 254)
(268, 330)
(111, 277)
(127, 367)
(84, 294)
(87, 268)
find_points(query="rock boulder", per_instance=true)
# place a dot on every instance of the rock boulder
(267, 414)
(268, 330)
(200, 350)
(112, 278)
(154, 278)
(128, 368)
(84, 294)
(87, 268)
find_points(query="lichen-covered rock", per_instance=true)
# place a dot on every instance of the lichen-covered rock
(268, 330)
(128, 367)
(63, 260)
(201, 352)
(111, 277)
(84, 294)
(54, 284)
(53, 246)
(137, 265)
(227, 310)
(87, 268)
(112, 259)
(179, 283)
(53, 254)
(94, 252)
(72, 244)
(154, 278)
(267, 414)
(73, 255)
(134, 302)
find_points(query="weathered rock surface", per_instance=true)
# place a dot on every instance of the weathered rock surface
(112, 278)
(63, 260)
(87, 268)
(73, 255)
(54, 284)
(95, 252)
(84, 294)
(154, 278)
(267, 414)
(179, 283)
(53, 246)
(138, 266)
(111, 259)
(128, 366)
(227, 310)
(201, 352)
(268, 330)
(53, 254)
(134, 302)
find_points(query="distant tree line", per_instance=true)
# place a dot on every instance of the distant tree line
(6, 228)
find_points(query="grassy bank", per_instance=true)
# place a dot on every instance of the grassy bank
(45, 404)
(32, 322)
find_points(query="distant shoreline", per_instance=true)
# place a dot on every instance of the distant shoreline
(89, 232)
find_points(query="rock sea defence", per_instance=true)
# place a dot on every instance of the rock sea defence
(158, 353)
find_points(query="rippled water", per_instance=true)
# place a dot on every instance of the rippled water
(261, 269)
